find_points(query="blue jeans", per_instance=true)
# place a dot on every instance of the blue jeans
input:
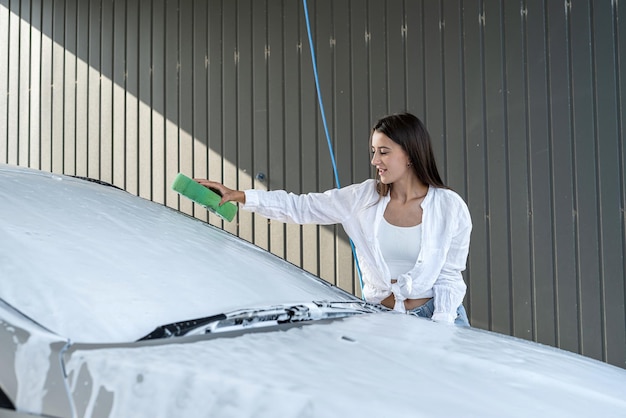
(427, 309)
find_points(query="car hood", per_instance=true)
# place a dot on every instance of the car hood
(96, 264)
(357, 366)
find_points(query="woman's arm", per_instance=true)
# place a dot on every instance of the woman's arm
(449, 288)
(331, 207)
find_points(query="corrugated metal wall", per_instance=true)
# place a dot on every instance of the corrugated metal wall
(524, 99)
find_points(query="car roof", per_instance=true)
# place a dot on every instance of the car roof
(97, 264)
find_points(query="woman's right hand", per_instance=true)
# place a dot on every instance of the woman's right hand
(228, 195)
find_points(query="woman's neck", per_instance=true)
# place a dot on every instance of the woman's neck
(405, 191)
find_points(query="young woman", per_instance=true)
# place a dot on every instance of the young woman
(411, 233)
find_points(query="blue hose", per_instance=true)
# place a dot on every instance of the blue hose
(330, 147)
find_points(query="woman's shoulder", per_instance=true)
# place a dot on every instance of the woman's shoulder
(449, 198)
(369, 185)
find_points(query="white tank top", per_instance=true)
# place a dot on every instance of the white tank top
(400, 246)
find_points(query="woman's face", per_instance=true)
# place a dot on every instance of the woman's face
(391, 161)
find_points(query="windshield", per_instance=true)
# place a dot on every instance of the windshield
(96, 264)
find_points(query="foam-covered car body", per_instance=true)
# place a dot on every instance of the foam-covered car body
(112, 305)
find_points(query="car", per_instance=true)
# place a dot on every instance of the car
(112, 305)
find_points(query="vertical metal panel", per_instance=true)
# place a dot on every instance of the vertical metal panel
(309, 138)
(94, 104)
(68, 90)
(359, 100)
(479, 292)
(158, 71)
(13, 80)
(395, 32)
(517, 200)
(453, 167)
(106, 86)
(23, 90)
(35, 49)
(199, 91)
(261, 54)
(215, 109)
(291, 80)
(541, 157)
(496, 167)
(560, 133)
(377, 56)
(596, 325)
(434, 88)
(276, 108)
(82, 87)
(57, 86)
(145, 80)
(131, 97)
(230, 66)
(172, 83)
(584, 161)
(324, 43)
(524, 101)
(359, 109)
(615, 306)
(244, 110)
(342, 136)
(186, 44)
(415, 63)
(46, 87)
(4, 79)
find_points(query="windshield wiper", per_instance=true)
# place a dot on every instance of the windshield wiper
(262, 317)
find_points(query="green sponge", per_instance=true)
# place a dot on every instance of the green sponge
(204, 196)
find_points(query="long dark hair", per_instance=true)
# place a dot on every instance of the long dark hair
(410, 133)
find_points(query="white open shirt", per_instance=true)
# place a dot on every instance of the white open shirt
(446, 229)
